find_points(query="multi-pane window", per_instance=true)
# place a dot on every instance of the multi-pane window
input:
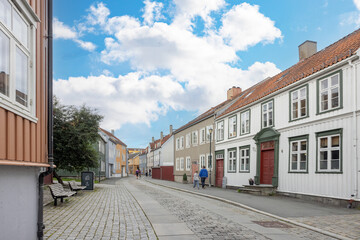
(220, 131)
(177, 143)
(298, 103)
(267, 114)
(188, 140)
(188, 163)
(329, 151)
(210, 161)
(208, 133)
(202, 135)
(177, 164)
(329, 93)
(181, 163)
(182, 142)
(244, 159)
(16, 51)
(298, 155)
(232, 160)
(232, 126)
(202, 161)
(194, 138)
(245, 122)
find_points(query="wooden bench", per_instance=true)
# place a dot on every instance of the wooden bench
(74, 187)
(57, 191)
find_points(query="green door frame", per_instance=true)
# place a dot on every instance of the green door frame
(265, 135)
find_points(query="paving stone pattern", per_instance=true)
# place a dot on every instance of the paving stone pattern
(108, 212)
(211, 225)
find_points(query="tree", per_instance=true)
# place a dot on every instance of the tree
(75, 133)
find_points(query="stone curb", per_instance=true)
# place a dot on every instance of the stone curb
(330, 234)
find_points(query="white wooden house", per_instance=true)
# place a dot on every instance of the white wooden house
(298, 131)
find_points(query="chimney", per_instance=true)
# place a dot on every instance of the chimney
(153, 139)
(232, 92)
(306, 49)
(112, 132)
(171, 130)
(161, 135)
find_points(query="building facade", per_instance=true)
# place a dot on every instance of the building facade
(297, 130)
(24, 82)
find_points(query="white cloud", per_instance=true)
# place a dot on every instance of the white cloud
(351, 18)
(61, 31)
(244, 26)
(152, 11)
(357, 4)
(198, 70)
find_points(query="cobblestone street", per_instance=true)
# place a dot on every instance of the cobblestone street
(135, 209)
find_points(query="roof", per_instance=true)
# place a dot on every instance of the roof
(113, 138)
(133, 155)
(336, 52)
(161, 141)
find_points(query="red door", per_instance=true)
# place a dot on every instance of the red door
(194, 168)
(219, 172)
(267, 166)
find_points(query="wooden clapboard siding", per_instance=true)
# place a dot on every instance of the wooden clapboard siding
(24, 142)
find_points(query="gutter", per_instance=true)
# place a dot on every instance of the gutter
(40, 223)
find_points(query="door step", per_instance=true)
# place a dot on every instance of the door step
(263, 190)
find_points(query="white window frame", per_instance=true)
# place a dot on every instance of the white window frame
(188, 140)
(202, 135)
(245, 118)
(208, 161)
(220, 131)
(181, 164)
(328, 151)
(243, 167)
(177, 164)
(9, 102)
(231, 160)
(177, 143)
(182, 142)
(297, 101)
(328, 90)
(232, 126)
(202, 161)
(267, 112)
(208, 133)
(298, 152)
(188, 163)
(194, 138)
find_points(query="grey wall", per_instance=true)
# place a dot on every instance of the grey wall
(18, 202)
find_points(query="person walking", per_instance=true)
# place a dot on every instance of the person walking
(137, 173)
(203, 175)
(196, 179)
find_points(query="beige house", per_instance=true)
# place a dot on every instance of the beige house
(194, 141)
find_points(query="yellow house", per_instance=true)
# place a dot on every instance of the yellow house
(134, 161)
(120, 158)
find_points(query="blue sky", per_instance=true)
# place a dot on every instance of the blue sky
(147, 64)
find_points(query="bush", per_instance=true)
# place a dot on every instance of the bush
(185, 177)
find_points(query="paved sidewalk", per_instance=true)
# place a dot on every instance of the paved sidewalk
(341, 221)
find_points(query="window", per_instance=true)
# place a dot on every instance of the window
(210, 162)
(329, 151)
(181, 163)
(208, 133)
(329, 93)
(245, 122)
(177, 164)
(298, 103)
(177, 144)
(267, 114)
(188, 139)
(298, 154)
(220, 131)
(232, 127)
(194, 138)
(202, 136)
(182, 142)
(244, 159)
(17, 51)
(188, 163)
(202, 161)
(231, 160)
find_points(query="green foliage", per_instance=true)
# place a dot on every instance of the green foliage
(184, 177)
(75, 133)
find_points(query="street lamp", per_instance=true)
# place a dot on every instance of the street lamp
(210, 158)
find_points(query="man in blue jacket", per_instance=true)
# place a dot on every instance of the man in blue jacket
(203, 175)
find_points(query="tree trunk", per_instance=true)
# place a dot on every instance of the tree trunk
(58, 178)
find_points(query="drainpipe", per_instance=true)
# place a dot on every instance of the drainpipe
(354, 132)
(40, 232)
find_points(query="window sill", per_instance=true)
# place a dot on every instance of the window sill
(245, 171)
(330, 110)
(298, 119)
(17, 110)
(329, 172)
(298, 172)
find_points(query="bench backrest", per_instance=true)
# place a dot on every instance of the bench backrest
(56, 189)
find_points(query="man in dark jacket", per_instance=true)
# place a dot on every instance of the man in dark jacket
(203, 175)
